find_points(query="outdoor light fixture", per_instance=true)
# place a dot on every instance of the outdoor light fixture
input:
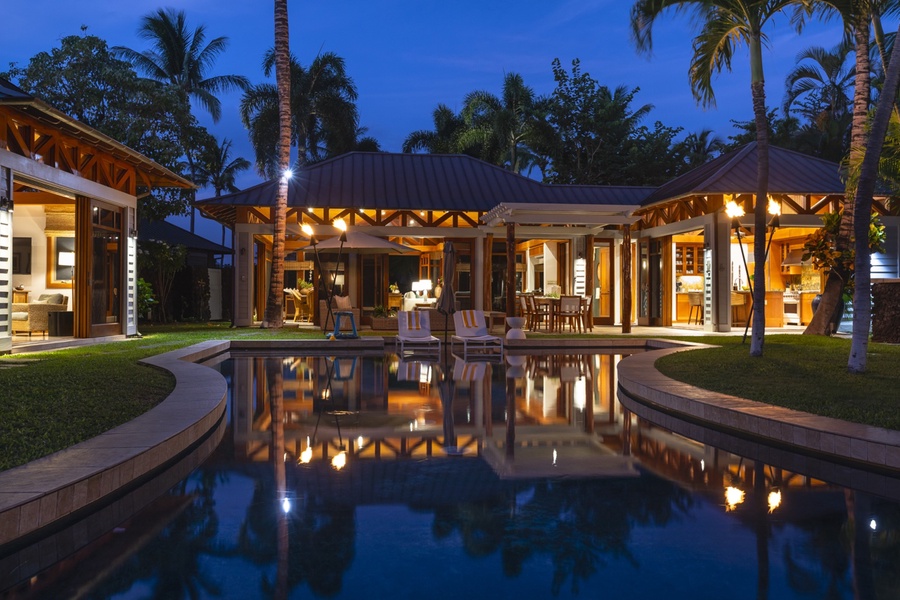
(6, 203)
(341, 225)
(286, 175)
(733, 497)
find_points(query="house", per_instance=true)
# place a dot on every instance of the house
(68, 202)
(642, 254)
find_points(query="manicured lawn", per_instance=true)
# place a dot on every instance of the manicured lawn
(52, 400)
(807, 373)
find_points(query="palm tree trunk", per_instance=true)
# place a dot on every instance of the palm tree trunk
(838, 277)
(862, 302)
(758, 91)
(274, 303)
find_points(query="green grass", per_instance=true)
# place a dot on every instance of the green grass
(807, 373)
(53, 400)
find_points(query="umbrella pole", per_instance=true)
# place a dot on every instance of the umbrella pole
(334, 280)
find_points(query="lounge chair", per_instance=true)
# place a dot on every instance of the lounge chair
(414, 332)
(471, 330)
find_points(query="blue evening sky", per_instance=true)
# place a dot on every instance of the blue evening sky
(406, 56)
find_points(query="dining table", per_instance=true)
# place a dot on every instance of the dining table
(553, 323)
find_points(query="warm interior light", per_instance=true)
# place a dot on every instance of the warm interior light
(733, 209)
(340, 224)
(66, 259)
(733, 497)
(422, 286)
(339, 461)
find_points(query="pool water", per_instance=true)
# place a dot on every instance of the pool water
(348, 477)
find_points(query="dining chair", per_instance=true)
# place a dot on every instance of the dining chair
(587, 316)
(540, 313)
(569, 313)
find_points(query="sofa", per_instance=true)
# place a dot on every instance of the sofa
(35, 315)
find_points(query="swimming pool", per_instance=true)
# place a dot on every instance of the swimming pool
(343, 476)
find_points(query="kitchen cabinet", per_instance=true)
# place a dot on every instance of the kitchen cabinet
(688, 259)
(806, 311)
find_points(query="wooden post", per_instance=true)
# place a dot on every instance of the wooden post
(510, 270)
(626, 279)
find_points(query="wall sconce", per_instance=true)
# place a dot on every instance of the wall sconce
(6, 203)
(133, 233)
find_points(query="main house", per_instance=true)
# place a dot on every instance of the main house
(652, 256)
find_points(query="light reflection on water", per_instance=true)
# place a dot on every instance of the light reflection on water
(349, 477)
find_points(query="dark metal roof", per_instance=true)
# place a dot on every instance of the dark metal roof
(163, 231)
(387, 181)
(735, 173)
(156, 174)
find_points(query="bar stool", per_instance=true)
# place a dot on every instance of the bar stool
(339, 316)
(695, 300)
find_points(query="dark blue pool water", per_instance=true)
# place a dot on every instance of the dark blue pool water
(464, 480)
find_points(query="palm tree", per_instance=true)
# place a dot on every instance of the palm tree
(856, 15)
(825, 80)
(865, 189)
(502, 127)
(281, 56)
(448, 127)
(699, 148)
(179, 58)
(217, 171)
(324, 121)
(725, 24)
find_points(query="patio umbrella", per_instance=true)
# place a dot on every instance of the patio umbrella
(362, 243)
(446, 304)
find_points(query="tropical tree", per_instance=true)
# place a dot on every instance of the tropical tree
(856, 15)
(501, 127)
(217, 169)
(699, 148)
(444, 139)
(862, 204)
(274, 316)
(324, 117)
(725, 24)
(595, 135)
(824, 79)
(83, 78)
(179, 58)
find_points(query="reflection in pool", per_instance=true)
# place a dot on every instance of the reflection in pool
(374, 477)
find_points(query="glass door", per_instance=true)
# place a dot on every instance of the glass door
(604, 283)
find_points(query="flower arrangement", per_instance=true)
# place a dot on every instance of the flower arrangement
(394, 288)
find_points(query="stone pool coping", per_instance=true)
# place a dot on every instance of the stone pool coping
(49, 490)
(842, 441)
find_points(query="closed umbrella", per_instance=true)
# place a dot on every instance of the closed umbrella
(446, 304)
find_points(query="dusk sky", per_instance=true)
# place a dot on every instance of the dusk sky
(406, 56)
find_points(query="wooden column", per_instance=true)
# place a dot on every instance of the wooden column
(81, 284)
(510, 270)
(487, 299)
(626, 279)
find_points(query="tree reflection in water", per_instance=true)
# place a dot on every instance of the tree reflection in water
(578, 525)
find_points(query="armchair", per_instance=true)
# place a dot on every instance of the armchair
(34, 316)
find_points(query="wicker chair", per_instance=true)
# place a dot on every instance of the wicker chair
(34, 316)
